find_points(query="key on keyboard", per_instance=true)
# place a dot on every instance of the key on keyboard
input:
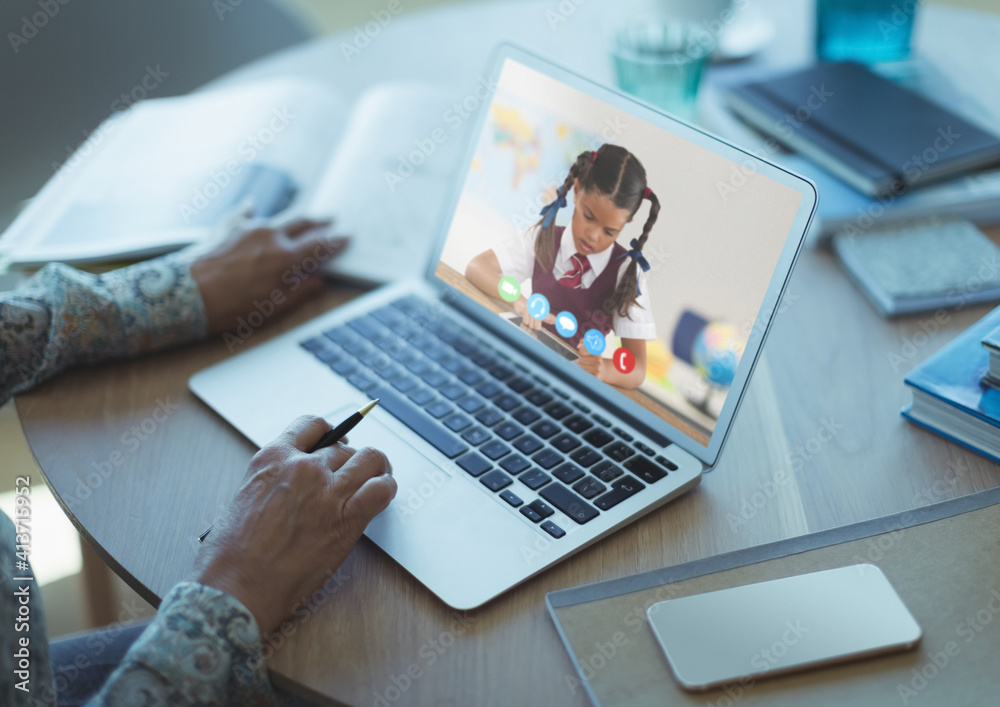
(415, 418)
(620, 490)
(569, 503)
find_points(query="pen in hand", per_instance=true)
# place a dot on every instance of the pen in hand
(327, 440)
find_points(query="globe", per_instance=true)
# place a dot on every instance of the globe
(716, 353)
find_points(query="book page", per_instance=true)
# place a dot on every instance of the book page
(390, 180)
(169, 171)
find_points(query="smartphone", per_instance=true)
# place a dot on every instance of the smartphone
(765, 629)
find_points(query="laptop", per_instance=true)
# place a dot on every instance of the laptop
(512, 453)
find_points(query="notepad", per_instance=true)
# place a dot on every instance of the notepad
(923, 265)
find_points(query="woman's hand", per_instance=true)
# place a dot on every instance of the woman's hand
(263, 269)
(294, 521)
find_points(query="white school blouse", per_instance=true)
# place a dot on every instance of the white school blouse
(516, 255)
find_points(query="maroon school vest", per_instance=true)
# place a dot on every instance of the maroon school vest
(587, 304)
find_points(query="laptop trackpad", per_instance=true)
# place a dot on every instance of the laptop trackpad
(455, 539)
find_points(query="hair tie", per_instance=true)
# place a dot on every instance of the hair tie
(549, 211)
(637, 256)
(648, 193)
(593, 156)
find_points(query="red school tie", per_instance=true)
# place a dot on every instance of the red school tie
(574, 277)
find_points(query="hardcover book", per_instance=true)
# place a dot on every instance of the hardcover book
(949, 396)
(877, 136)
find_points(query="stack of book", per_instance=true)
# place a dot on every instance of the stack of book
(884, 157)
(875, 135)
(956, 392)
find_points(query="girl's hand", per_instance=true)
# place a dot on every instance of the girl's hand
(528, 322)
(592, 364)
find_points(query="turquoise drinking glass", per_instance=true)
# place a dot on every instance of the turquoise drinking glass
(866, 31)
(662, 62)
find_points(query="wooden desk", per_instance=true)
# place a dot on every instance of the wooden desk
(777, 479)
(819, 442)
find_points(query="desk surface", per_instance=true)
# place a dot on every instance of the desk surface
(819, 443)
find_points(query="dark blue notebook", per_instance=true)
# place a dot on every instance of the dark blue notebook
(949, 396)
(874, 134)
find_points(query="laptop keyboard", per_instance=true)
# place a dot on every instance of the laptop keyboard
(521, 438)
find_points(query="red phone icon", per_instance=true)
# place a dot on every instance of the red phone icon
(624, 360)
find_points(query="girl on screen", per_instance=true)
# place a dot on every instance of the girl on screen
(585, 271)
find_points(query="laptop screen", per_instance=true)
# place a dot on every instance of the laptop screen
(640, 257)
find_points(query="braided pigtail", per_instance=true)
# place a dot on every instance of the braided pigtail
(545, 241)
(627, 291)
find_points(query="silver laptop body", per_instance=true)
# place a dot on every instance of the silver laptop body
(465, 540)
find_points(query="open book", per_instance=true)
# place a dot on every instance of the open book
(169, 172)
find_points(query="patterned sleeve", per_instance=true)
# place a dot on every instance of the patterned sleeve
(63, 316)
(203, 648)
